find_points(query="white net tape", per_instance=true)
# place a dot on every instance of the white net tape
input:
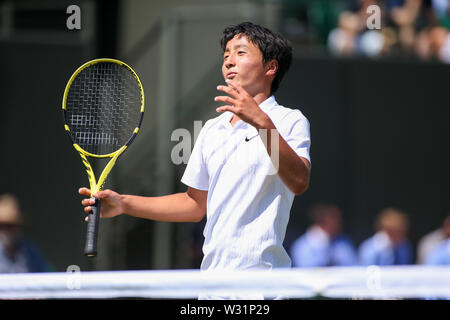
(405, 282)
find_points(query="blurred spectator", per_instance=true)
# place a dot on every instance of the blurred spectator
(404, 16)
(323, 244)
(430, 241)
(441, 253)
(433, 44)
(441, 9)
(389, 245)
(351, 35)
(411, 28)
(16, 254)
(408, 27)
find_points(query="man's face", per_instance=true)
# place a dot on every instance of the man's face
(243, 63)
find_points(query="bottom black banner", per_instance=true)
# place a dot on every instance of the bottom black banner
(221, 309)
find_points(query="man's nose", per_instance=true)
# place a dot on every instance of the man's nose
(229, 62)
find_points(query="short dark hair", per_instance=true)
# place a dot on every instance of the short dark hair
(273, 46)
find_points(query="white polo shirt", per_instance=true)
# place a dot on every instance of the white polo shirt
(248, 205)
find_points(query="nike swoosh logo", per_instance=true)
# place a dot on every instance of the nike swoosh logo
(248, 139)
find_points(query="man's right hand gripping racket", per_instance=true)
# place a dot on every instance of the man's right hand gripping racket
(103, 108)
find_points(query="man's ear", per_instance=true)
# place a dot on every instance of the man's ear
(271, 67)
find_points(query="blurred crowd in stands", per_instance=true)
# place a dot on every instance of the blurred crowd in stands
(324, 244)
(407, 28)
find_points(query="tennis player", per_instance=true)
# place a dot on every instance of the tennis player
(247, 203)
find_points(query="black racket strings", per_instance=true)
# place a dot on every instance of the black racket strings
(103, 107)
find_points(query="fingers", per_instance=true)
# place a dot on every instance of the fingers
(103, 194)
(87, 202)
(234, 85)
(90, 202)
(225, 99)
(84, 191)
(229, 90)
(235, 91)
(100, 194)
(225, 108)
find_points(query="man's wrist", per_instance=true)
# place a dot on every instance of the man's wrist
(265, 123)
(123, 204)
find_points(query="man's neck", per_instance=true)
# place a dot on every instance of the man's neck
(261, 97)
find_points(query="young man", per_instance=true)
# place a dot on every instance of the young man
(247, 203)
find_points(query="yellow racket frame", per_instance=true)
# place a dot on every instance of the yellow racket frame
(95, 185)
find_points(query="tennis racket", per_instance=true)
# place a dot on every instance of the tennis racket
(103, 108)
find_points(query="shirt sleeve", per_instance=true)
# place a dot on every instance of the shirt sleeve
(298, 135)
(196, 173)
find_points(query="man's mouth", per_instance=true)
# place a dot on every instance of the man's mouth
(231, 75)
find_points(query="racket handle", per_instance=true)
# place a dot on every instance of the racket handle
(90, 248)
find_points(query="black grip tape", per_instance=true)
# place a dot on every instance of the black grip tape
(90, 248)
